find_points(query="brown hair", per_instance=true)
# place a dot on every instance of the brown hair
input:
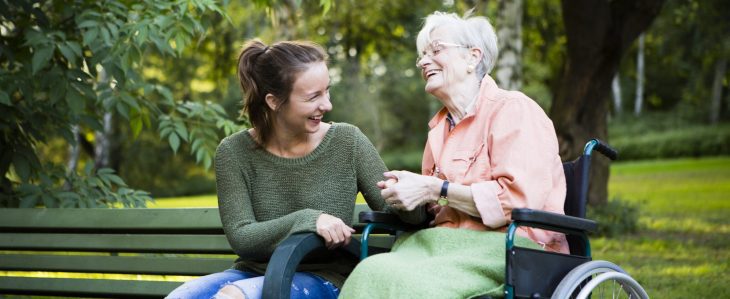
(272, 70)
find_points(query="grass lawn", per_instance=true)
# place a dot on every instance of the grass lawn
(682, 248)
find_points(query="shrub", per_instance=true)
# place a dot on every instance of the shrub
(404, 160)
(616, 217)
(693, 141)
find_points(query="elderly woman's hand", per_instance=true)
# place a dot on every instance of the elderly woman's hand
(409, 190)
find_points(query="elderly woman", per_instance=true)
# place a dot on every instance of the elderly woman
(489, 151)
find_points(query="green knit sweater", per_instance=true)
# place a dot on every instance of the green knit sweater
(264, 198)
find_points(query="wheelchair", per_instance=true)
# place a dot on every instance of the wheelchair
(529, 273)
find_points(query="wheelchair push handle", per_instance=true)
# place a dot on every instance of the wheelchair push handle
(601, 147)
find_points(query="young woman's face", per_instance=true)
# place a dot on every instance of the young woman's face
(308, 101)
(444, 62)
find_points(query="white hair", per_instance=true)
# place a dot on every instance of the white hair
(471, 31)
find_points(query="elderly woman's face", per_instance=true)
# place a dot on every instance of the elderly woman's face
(443, 62)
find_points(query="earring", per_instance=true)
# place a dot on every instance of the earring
(470, 69)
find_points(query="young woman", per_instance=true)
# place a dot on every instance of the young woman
(290, 173)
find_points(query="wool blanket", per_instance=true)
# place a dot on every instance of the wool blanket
(437, 262)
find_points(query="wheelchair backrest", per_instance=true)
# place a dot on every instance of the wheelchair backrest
(576, 198)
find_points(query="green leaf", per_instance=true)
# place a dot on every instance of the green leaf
(181, 130)
(131, 101)
(174, 142)
(49, 201)
(75, 47)
(67, 53)
(88, 168)
(105, 170)
(33, 38)
(165, 131)
(75, 100)
(196, 144)
(89, 24)
(30, 201)
(116, 180)
(41, 58)
(123, 110)
(5, 99)
(22, 167)
(106, 36)
(207, 162)
(90, 35)
(136, 124)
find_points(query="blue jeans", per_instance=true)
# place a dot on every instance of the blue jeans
(304, 285)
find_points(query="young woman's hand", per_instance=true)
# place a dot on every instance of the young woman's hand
(334, 231)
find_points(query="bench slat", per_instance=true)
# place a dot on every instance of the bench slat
(158, 265)
(190, 220)
(87, 287)
(116, 243)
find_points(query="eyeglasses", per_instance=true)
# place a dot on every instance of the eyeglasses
(434, 49)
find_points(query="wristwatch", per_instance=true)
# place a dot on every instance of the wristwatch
(443, 197)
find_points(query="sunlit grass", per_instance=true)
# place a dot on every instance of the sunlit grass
(201, 201)
(681, 251)
(96, 276)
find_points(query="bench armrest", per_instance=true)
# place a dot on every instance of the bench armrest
(553, 221)
(286, 258)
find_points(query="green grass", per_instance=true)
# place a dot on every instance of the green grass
(681, 249)
(199, 201)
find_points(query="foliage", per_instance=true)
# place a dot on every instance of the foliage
(93, 189)
(682, 45)
(615, 218)
(67, 64)
(667, 135)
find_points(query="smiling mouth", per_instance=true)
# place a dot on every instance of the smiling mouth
(430, 73)
(316, 118)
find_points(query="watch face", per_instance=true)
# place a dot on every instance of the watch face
(443, 201)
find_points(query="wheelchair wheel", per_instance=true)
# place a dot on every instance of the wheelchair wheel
(598, 279)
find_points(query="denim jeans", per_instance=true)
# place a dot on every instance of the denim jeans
(304, 285)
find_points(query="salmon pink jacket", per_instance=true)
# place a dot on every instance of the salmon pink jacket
(506, 150)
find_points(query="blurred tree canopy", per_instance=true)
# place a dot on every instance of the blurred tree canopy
(165, 71)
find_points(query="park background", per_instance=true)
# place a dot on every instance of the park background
(122, 103)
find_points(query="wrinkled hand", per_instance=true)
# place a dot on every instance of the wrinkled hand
(334, 231)
(409, 190)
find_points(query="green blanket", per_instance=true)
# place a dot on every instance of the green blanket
(435, 263)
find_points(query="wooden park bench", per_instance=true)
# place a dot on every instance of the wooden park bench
(185, 241)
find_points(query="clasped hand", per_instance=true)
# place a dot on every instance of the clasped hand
(334, 231)
(405, 190)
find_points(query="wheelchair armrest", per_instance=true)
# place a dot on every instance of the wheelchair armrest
(286, 258)
(553, 221)
(390, 220)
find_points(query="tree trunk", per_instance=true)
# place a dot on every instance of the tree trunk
(74, 152)
(598, 34)
(639, 101)
(616, 91)
(509, 35)
(102, 146)
(720, 67)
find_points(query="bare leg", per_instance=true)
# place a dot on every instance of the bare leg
(230, 292)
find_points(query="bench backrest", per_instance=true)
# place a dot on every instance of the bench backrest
(188, 242)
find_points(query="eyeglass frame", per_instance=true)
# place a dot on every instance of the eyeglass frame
(436, 51)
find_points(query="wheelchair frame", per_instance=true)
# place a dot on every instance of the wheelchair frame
(568, 273)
